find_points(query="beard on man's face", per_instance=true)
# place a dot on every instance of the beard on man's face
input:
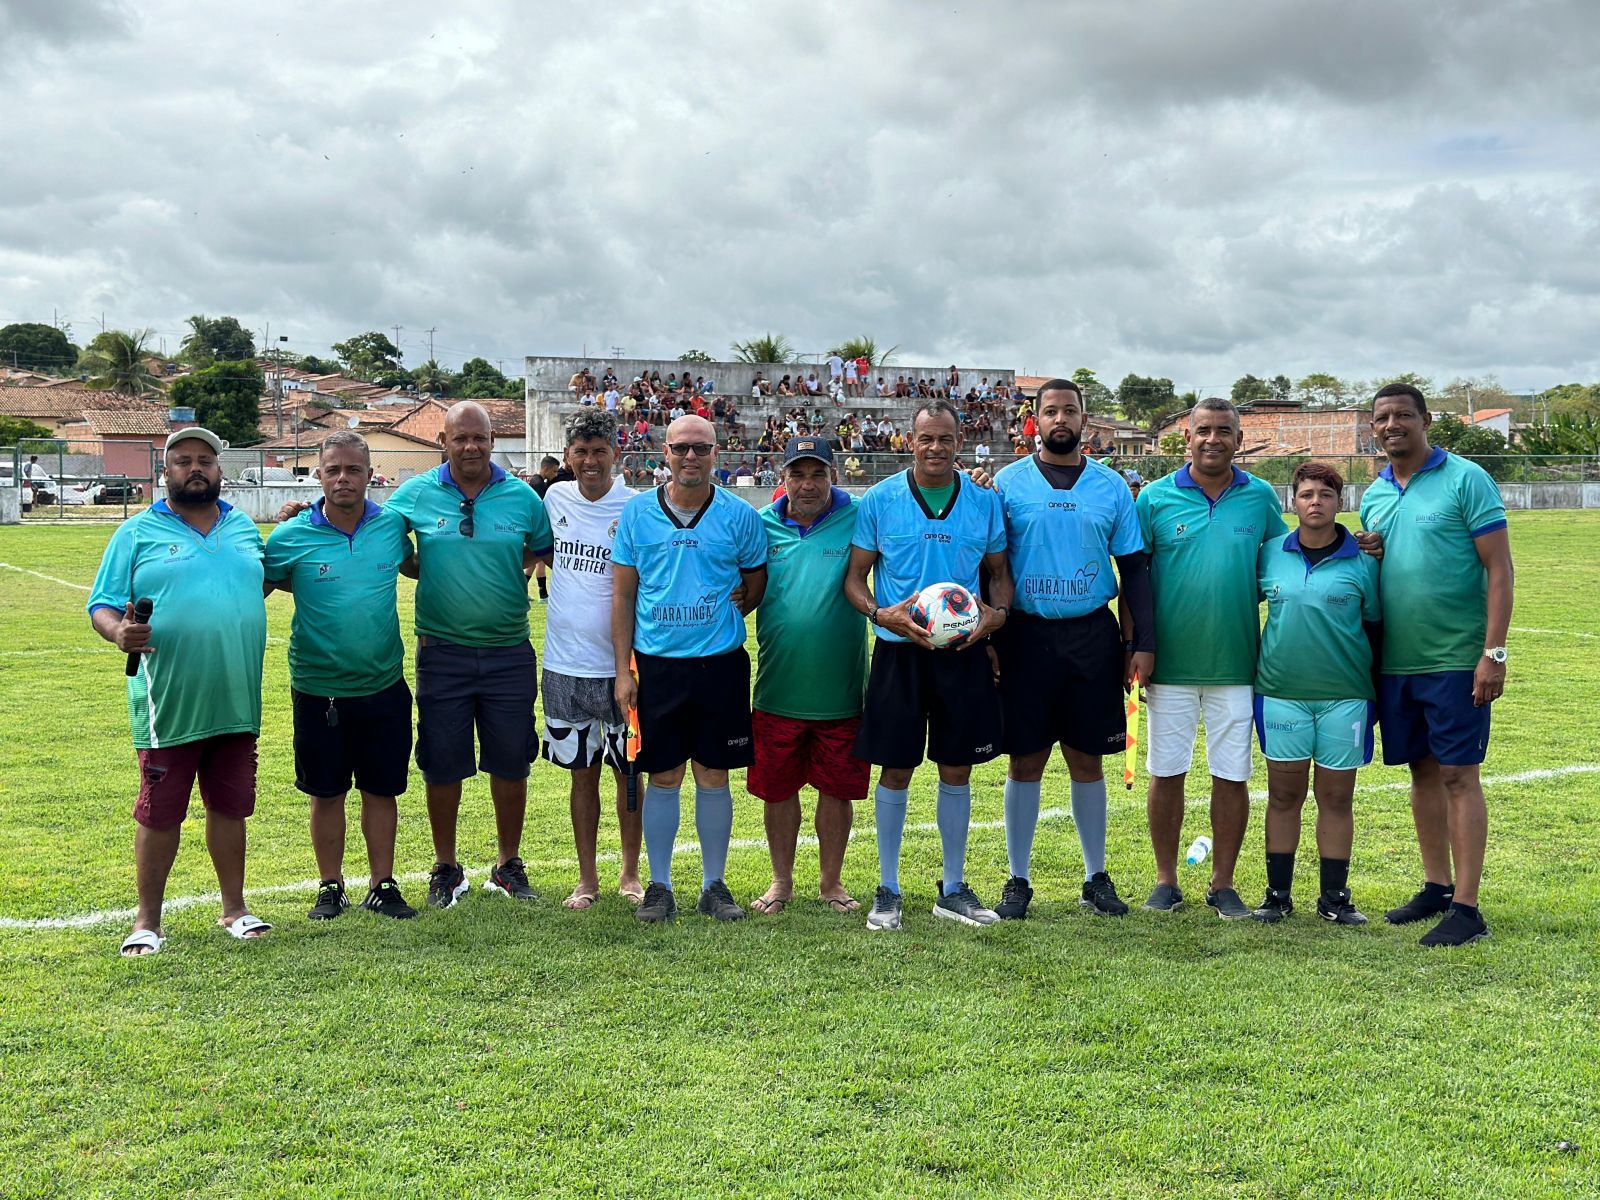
(196, 490)
(1062, 440)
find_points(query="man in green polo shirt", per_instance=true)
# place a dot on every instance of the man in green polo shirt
(1203, 527)
(1447, 594)
(811, 675)
(341, 559)
(474, 523)
(194, 700)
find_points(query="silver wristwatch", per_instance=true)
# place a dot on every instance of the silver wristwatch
(1496, 654)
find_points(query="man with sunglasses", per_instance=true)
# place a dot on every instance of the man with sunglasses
(475, 666)
(680, 553)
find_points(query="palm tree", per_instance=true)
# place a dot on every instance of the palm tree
(116, 363)
(430, 379)
(768, 348)
(856, 347)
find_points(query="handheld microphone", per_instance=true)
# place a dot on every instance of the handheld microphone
(142, 608)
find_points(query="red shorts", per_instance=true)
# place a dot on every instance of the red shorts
(791, 753)
(225, 766)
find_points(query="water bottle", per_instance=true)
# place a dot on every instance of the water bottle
(1198, 851)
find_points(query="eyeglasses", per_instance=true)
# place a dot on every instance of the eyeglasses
(686, 449)
(466, 518)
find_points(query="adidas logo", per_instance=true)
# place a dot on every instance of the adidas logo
(561, 522)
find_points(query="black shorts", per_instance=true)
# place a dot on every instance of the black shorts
(945, 700)
(694, 709)
(1061, 681)
(364, 738)
(490, 687)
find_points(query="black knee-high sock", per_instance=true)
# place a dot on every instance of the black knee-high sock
(1280, 872)
(1335, 874)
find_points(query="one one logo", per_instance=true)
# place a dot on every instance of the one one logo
(322, 568)
(1182, 528)
(173, 548)
(987, 748)
(441, 523)
(1273, 591)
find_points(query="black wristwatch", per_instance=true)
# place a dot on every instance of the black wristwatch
(872, 617)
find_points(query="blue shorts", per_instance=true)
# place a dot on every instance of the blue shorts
(1432, 715)
(1336, 734)
(491, 688)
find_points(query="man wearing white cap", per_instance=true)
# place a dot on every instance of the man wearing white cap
(194, 700)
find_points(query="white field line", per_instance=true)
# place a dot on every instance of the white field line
(81, 587)
(179, 903)
(1556, 632)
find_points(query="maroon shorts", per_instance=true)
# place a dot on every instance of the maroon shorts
(791, 753)
(225, 766)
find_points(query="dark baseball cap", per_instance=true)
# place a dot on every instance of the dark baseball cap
(807, 447)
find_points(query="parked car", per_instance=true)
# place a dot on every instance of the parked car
(267, 477)
(114, 489)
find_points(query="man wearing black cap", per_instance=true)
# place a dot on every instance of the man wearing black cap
(811, 671)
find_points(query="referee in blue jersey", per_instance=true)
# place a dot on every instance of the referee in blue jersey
(1063, 663)
(922, 527)
(680, 553)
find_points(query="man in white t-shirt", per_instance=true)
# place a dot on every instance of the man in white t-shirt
(835, 368)
(582, 724)
(852, 378)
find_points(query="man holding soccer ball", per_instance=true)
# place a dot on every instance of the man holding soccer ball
(914, 530)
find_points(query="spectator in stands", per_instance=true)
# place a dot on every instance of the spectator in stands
(641, 430)
(765, 443)
(953, 379)
(981, 454)
(611, 398)
(852, 469)
(863, 372)
(766, 473)
(706, 387)
(785, 388)
(835, 370)
(676, 411)
(731, 421)
(609, 379)
(663, 474)
(852, 378)
(724, 476)
(575, 384)
(812, 386)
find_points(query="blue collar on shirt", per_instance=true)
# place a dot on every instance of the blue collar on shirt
(840, 498)
(368, 511)
(161, 506)
(1184, 479)
(496, 474)
(1436, 458)
(1347, 546)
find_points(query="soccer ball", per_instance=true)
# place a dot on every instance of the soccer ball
(947, 612)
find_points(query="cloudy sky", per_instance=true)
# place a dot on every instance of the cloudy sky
(1196, 190)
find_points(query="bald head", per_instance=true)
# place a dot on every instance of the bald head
(691, 429)
(691, 472)
(468, 439)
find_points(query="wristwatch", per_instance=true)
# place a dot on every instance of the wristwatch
(1496, 654)
(872, 617)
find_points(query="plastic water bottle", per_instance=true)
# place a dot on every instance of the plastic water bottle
(1198, 851)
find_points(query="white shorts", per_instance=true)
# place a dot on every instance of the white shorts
(1175, 711)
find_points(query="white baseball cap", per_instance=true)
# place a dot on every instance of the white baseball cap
(198, 434)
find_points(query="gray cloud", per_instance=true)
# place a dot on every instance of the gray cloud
(1187, 190)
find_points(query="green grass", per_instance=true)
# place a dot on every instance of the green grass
(493, 1050)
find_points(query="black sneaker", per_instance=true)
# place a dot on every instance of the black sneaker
(659, 904)
(964, 906)
(331, 900)
(1337, 907)
(1457, 929)
(1014, 900)
(886, 910)
(717, 901)
(384, 898)
(1426, 903)
(510, 879)
(1227, 903)
(446, 884)
(1165, 897)
(1276, 907)
(1100, 894)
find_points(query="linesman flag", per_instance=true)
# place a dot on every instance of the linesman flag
(1132, 739)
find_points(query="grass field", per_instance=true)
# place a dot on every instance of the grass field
(498, 1051)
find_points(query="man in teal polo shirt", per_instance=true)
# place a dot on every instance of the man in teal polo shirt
(474, 524)
(1447, 595)
(1203, 526)
(811, 675)
(194, 703)
(341, 560)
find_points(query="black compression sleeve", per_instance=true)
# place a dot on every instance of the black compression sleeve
(1136, 591)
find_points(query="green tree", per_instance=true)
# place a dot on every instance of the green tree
(481, 380)
(1321, 390)
(1097, 397)
(216, 339)
(431, 379)
(1421, 382)
(856, 347)
(1172, 443)
(115, 362)
(1568, 433)
(768, 348)
(1470, 441)
(695, 356)
(35, 347)
(1146, 400)
(368, 353)
(1471, 395)
(226, 398)
(15, 429)
(313, 365)
(1281, 387)
(1247, 389)
(1571, 399)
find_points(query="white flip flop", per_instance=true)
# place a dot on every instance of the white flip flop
(247, 927)
(146, 939)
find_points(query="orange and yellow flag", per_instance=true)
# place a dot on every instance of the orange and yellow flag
(1132, 740)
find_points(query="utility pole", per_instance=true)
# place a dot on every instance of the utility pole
(616, 351)
(397, 329)
(430, 343)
